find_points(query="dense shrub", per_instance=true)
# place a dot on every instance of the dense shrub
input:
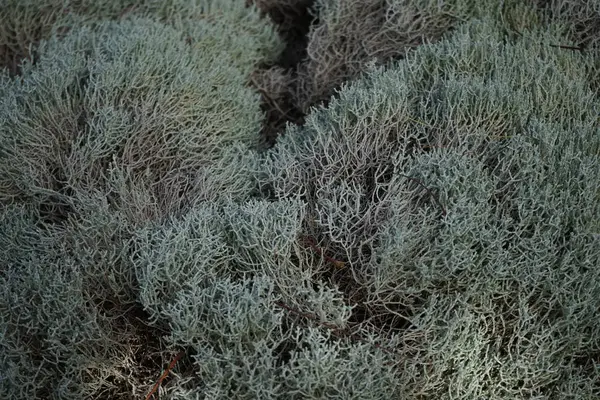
(67, 308)
(24, 23)
(134, 111)
(218, 284)
(460, 189)
(582, 18)
(432, 233)
(349, 34)
(115, 125)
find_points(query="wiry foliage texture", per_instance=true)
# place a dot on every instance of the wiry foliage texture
(113, 126)
(349, 34)
(133, 111)
(581, 16)
(433, 233)
(460, 188)
(24, 23)
(68, 308)
(219, 285)
(581, 19)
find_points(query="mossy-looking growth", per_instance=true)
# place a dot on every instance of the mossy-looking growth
(114, 125)
(460, 187)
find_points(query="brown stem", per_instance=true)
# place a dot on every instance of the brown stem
(337, 263)
(165, 374)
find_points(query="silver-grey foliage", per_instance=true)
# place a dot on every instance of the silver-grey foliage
(231, 309)
(24, 23)
(115, 126)
(432, 233)
(64, 298)
(348, 34)
(460, 188)
(132, 110)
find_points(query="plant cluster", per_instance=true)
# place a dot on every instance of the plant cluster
(430, 233)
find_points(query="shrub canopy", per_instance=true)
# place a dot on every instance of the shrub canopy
(432, 233)
(460, 189)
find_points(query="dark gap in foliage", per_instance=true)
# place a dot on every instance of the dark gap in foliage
(518, 385)
(283, 351)
(36, 347)
(25, 39)
(360, 314)
(363, 314)
(36, 344)
(293, 20)
(54, 211)
(384, 321)
(277, 82)
(377, 180)
(423, 195)
(563, 242)
(147, 348)
(546, 306)
(58, 208)
(588, 362)
(12, 57)
(502, 337)
(266, 192)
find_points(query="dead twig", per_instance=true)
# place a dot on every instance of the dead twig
(578, 48)
(165, 374)
(336, 263)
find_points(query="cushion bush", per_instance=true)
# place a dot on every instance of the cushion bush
(459, 188)
(432, 233)
(114, 126)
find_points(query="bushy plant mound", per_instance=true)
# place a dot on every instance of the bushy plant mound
(113, 126)
(433, 233)
(339, 38)
(345, 36)
(70, 325)
(460, 190)
(225, 282)
(24, 23)
(349, 34)
(136, 111)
